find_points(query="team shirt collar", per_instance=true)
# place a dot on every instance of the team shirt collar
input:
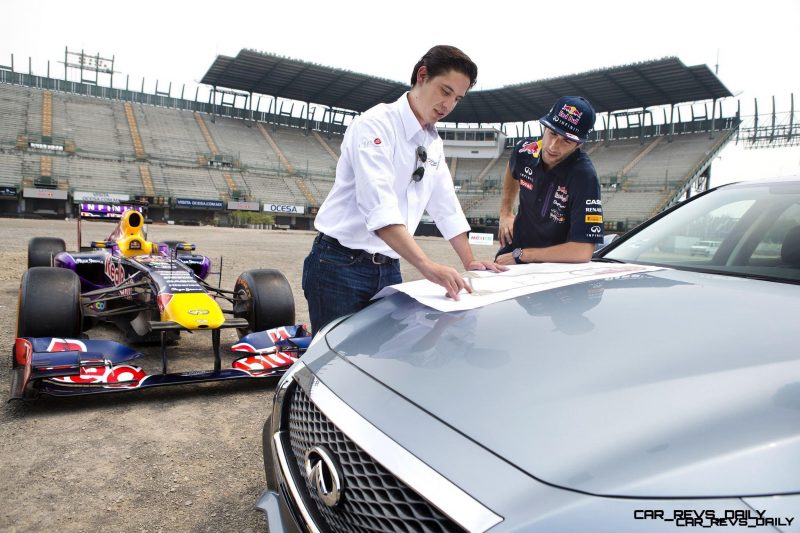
(411, 125)
(561, 168)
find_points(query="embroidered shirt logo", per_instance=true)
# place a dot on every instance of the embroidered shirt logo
(530, 147)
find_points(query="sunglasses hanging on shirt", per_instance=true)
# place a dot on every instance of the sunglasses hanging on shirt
(422, 157)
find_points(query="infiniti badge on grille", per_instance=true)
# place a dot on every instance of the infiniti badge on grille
(324, 475)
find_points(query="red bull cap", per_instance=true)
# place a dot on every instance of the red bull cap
(571, 117)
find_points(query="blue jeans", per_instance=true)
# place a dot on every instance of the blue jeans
(338, 281)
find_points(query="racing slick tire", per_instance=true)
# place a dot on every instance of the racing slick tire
(264, 298)
(49, 303)
(42, 249)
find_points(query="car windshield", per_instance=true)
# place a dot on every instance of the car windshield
(748, 229)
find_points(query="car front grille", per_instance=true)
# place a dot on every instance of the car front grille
(374, 499)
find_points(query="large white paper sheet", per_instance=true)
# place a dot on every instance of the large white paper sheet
(491, 287)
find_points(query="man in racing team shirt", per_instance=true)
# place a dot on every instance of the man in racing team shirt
(560, 215)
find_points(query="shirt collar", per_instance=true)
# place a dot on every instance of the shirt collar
(569, 161)
(411, 125)
(561, 169)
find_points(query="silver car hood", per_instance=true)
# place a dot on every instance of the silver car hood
(668, 384)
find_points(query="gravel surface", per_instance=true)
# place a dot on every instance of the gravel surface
(182, 458)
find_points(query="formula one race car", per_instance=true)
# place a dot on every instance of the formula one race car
(152, 292)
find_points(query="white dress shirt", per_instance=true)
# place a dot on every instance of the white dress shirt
(373, 186)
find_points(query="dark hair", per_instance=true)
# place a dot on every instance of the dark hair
(441, 59)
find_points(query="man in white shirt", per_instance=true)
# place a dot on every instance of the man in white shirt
(392, 169)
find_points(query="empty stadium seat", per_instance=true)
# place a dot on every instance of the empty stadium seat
(103, 157)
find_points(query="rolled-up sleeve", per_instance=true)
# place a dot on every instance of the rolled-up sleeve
(444, 206)
(372, 152)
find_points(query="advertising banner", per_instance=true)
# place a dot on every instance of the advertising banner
(193, 203)
(93, 210)
(243, 206)
(285, 209)
(52, 194)
(484, 239)
(99, 197)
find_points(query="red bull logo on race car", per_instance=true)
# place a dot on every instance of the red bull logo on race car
(127, 376)
(571, 114)
(112, 375)
(114, 271)
(65, 345)
(263, 362)
(163, 301)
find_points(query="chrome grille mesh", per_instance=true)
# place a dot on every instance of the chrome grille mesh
(374, 499)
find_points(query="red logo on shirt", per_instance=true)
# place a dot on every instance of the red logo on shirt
(531, 147)
(527, 184)
(377, 140)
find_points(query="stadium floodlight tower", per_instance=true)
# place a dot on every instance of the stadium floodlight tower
(771, 129)
(90, 64)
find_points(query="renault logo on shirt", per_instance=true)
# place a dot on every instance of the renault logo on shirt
(324, 475)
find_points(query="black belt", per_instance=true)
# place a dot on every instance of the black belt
(378, 259)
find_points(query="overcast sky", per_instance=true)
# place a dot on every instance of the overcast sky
(754, 44)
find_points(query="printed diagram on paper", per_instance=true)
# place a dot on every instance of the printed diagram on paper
(491, 287)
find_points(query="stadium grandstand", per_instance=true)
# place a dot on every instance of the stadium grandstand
(660, 125)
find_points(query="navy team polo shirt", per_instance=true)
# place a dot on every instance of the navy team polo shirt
(557, 206)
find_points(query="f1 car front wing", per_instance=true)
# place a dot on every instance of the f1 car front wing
(72, 367)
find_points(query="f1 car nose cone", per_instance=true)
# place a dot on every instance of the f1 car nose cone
(193, 311)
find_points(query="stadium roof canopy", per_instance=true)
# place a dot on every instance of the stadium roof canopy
(639, 85)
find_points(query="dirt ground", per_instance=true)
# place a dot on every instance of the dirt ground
(182, 458)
